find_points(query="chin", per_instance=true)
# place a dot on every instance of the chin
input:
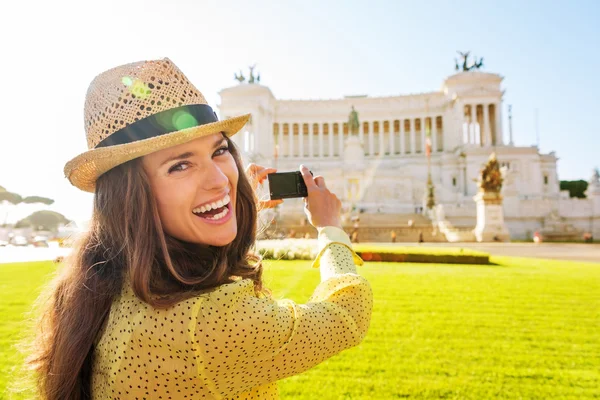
(220, 242)
(221, 238)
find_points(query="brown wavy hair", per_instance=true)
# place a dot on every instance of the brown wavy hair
(125, 240)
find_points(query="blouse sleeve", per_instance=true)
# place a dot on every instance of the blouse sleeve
(244, 341)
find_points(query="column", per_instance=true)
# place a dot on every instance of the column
(461, 177)
(392, 137)
(341, 137)
(472, 130)
(487, 133)
(371, 139)
(291, 139)
(381, 140)
(361, 133)
(301, 139)
(412, 136)
(310, 140)
(402, 144)
(464, 123)
(321, 140)
(280, 141)
(423, 120)
(434, 134)
(499, 135)
(330, 134)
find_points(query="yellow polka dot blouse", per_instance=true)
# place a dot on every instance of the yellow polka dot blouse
(229, 343)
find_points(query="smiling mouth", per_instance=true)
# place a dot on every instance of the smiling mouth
(215, 210)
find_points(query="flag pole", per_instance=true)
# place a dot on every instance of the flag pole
(430, 189)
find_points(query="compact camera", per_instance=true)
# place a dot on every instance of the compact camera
(287, 185)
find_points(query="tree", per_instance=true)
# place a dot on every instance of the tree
(37, 199)
(10, 197)
(14, 199)
(575, 188)
(46, 220)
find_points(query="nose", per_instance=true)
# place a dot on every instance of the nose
(214, 179)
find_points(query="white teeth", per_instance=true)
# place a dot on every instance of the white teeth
(217, 204)
(219, 215)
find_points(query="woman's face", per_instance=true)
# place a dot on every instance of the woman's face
(194, 185)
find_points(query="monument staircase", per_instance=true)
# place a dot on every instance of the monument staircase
(370, 227)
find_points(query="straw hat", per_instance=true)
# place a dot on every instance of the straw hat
(139, 108)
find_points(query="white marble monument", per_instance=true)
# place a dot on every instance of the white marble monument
(389, 177)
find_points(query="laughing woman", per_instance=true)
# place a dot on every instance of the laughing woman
(163, 298)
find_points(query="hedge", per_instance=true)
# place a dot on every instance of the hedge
(301, 250)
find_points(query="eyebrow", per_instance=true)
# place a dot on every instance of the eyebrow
(189, 154)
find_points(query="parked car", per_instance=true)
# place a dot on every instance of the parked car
(19, 241)
(40, 241)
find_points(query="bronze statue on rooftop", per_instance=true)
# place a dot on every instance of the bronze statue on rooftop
(466, 66)
(252, 78)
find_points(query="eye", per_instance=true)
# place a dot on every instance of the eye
(182, 166)
(221, 150)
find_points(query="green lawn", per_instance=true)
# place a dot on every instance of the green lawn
(521, 329)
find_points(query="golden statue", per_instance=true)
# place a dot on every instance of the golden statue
(490, 177)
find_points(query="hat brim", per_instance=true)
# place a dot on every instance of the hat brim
(83, 170)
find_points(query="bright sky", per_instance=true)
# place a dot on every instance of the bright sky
(547, 52)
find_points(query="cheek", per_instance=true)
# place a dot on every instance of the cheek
(232, 173)
(173, 199)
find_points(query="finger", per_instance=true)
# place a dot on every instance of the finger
(308, 179)
(262, 174)
(320, 181)
(252, 168)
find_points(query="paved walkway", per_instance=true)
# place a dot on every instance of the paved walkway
(555, 251)
(10, 254)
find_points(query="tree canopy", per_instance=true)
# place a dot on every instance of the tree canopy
(575, 188)
(10, 197)
(47, 220)
(37, 199)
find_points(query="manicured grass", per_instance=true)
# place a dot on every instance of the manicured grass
(520, 329)
(20, 284)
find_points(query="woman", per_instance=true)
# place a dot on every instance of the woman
(163, 299)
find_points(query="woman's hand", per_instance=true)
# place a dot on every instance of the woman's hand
(322, 207)
(257, 175)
